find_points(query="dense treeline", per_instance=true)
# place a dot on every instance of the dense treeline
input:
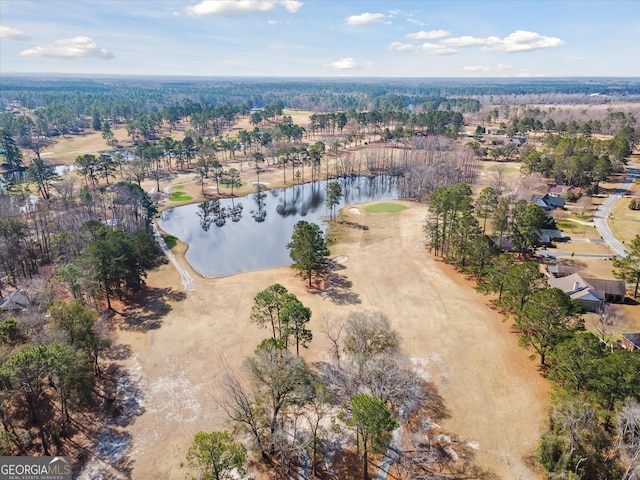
(71, 103)
(87, 246)
(594, 426)
(48, 371)
(62, 231)
(342, 94)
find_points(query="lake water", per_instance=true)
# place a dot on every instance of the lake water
(230, 236)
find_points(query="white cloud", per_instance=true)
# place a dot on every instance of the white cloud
(277, 22)
(485, 68)
(518, 41)
(292, 6)
(347, 63)
(365, 18)
(415, 21)
(76, 47)
(437, 49)
(402, 47)
(429, 35)
(343, 64)
(464, 41)
(522, 41)
(9, 33)
(231, 8)
(477, 68)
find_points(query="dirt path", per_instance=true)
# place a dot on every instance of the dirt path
(495, 397)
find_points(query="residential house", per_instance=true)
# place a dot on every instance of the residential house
(631, 341)
(549, 202)
(562, 190)
(613, 291)
(548, 236)
(559, 270)
(579, 289)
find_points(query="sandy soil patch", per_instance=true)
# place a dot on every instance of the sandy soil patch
(340, 259)
(355, 211)
(495, 396)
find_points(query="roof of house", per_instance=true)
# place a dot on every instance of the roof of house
(548, 235)
(17, 300)
(577, 288)
(562, 270)
(548, 202)
(552, 232)
(559, 189)
(633, 338)
(608, 287)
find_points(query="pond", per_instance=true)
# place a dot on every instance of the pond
(242, 234)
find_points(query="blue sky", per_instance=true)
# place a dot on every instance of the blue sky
(305, 38)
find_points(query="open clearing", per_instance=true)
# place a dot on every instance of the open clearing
(183, 343)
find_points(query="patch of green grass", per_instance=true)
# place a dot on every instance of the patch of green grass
(177, 187)
(576, 230)
(587, 217)
(170, 240)
(384, 208)
(503, 168)
(179, 197)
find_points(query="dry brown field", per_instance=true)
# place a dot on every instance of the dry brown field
(495, 397)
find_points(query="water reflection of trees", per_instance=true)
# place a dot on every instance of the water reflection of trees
(298, 200)
(363, 189)
(260, 213)
(212, 212)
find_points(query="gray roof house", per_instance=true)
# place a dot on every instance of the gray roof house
(16, 301)
(549, 202)
(579, 289)
(548, 235)
(613, 291)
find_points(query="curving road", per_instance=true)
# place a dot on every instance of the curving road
(600, 219)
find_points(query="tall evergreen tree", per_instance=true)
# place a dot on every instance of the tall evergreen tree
(308, 250)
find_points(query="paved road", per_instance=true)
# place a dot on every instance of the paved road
(600, 219)
(588, 255)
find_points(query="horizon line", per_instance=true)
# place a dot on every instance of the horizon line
(327, 77)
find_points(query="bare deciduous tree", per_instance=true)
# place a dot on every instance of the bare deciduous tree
(628, 431)
(610, 321)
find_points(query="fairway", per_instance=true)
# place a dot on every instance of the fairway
(384, 208)
(206, 333)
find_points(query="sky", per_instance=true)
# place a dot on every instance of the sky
(322, 38)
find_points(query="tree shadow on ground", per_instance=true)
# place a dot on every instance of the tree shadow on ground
(104, 450)
(468, 468)
(434, 405)
(106, 457)
(118, 351)
(146, 310)
(122, 396)
(344, 462)
(337, 287)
